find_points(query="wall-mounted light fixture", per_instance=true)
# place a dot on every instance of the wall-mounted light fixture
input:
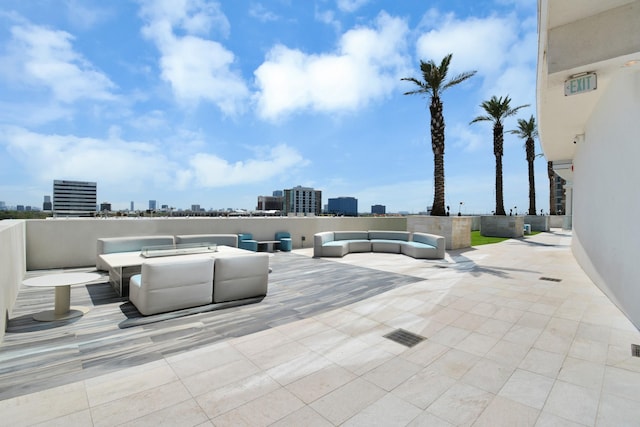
(578, 139)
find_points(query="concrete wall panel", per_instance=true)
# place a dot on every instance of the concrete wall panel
(57, 243)
(12, 267)
(456, 230)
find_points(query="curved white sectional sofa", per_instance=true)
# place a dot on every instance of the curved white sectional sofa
(416, 245)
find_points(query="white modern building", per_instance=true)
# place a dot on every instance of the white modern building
(74, 198)
(588, 101)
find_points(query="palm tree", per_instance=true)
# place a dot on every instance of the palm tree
(434, 82)
(528, 130)
(552, 188)
(497, 110)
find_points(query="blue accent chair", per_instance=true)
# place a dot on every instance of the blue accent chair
(245, 241)
(285, 240)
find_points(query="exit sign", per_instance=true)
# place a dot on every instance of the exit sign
(580, 84)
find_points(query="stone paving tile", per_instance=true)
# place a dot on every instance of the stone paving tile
(503, 348)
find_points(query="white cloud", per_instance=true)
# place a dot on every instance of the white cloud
(367, 66)
(200, 69)
(329, 17)
(463, 136)
(134, 165)
(41, 57)
(195, 67)
(351, 5)
(33, 113)
(129, 164)
(82, 16)
(209, 170)
(261, 13)
(190, 16)
(501, 48)
(480, 44)
(150, 120)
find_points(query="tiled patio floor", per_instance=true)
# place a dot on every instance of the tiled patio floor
(503, 348)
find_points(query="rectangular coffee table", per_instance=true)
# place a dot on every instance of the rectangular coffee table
(267, 245)
(122, 265)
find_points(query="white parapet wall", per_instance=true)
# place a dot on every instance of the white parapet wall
(59, 243)
(12, 266)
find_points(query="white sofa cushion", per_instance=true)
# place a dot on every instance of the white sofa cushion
(240, 277)
(172, 283)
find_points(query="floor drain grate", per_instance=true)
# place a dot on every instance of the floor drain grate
(551, 279)
(635, 350)
(404, 337)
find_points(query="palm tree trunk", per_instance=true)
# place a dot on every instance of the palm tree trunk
(499, 191)
(437, 144)
(438, 179)
(552, 188)
(497, 150)
(532, 183)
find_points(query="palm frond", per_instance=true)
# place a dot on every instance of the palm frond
(481, 119)
(422, 87)
(434, 77)
(459, 79)
(498, 109)
(526, 128)
(512, 111)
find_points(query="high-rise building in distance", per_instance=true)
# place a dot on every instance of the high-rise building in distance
(302, 200)
(152, 205)
(378, 209)
(47, 205)
(74, 198)
(270, 203)
(346, 206)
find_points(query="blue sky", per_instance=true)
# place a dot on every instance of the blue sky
(217, 102)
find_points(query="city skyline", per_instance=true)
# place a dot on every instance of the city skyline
(217, 103)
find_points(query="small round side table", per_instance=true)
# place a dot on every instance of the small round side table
(62, 282)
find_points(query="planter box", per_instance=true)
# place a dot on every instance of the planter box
(538, 222)
(555, 221)
(456, 230)
(475, 223)
(502, 226)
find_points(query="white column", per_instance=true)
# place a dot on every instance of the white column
(567, 222)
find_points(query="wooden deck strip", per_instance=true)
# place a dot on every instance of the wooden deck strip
(36, 356)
